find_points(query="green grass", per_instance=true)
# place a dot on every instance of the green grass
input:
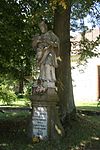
(91, 106)
(19, 115)
(20, 102)
(81, 134)
(86, 103)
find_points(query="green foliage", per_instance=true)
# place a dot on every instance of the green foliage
(15, 38)
(28, 89)
(19, 21)
(89, 49)
(7, 94)
(82, 9)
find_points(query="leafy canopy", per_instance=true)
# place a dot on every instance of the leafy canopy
(19, 21)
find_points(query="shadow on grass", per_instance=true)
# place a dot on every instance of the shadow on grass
(82, 134)
(89, 108)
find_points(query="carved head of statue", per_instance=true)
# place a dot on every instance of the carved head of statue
(43, 27)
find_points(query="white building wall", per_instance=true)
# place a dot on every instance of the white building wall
(85, 83)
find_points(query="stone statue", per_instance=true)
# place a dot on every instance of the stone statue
(47, 46)
(45, 121)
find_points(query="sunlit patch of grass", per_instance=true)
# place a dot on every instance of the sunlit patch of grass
(20, 102)
(91, 106)
(86, 103)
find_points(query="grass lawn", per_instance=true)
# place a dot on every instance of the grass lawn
(81, 134)
(91, 106)
(20, 102)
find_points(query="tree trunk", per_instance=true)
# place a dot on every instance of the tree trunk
(64, 80)
(21, 82)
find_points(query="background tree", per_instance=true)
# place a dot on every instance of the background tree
(15, 40)
(65, 12)
(65, 90)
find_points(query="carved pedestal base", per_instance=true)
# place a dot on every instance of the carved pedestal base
(45, 118)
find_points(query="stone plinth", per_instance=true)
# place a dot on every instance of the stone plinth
(45, 118)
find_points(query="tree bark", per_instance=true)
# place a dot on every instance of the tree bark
(64, 80)
(21, 82)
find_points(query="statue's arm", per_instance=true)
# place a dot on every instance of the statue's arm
(44, 55)
(35, 40)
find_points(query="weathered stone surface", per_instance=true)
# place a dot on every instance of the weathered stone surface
(45, 118)
(49, 97)
(47, 47)
(47, 102)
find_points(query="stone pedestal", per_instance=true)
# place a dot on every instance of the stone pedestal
(45, 118)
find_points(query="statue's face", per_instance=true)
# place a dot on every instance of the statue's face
(43, 27)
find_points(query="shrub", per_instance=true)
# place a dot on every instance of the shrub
(7, 95)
